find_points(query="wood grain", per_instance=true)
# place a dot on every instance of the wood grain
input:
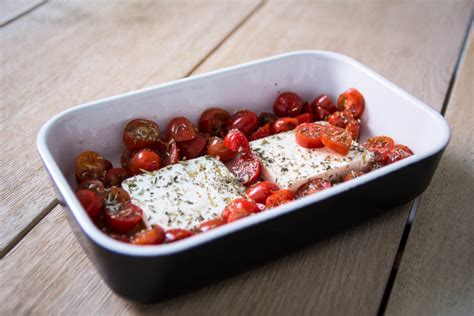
(69, 52)
(436, 275)
(12, 9)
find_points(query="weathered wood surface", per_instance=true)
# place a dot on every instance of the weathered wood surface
(12, 9)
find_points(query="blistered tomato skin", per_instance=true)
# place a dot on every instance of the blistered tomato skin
(246, 168)
(323, 107)
(337, 139)
(176, 234)
(193, 148)
(94, 185)
(216, 148)
(91, 202)
(279, 197)
(288, 104)
(352, 101)
(398, 152)
(284, 124)
(144, 160)
(155, 235)
(379, 142)
(308, 135)
(91, 166)
(313, 186)
(181, 129)
(141, 133)
(244, 120)
(236, 141)
(239, 208)
(213, 121)
(261, 132)
(340, 119)
(211, 224)
(305, 118)
(259, 192)
(123, 217)
(115, 176)
(171, 155)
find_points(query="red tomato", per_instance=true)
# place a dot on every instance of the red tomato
(120, 237)
(123, 217)
(181, 129)
(308, 135)
(353, 128)
(91, 166)
(115, 176)
(244, 120)
(305, 118)
(313, 186)
(115, 195)
(352, 175)
(126, 157)
(352, 101)
(211, 224)
(322, 107)
(266, 118)
(239, 208)
(155, 235)
(171, 156)
(216, 148)
(307, 108)
(264, 131)
(398, 152)
(91, 202)
(379, 142)
(337, 139)
(381, 156)
(288, 104)
(213, 121)
(279, 197)
(176, 234)
(340, 119)
(141, 133)
(259, 192)
(236, 141)
(246, 168)
(284, 124)
(193, 148)
(146, 160)
(94, 185)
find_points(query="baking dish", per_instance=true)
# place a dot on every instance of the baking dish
(149, 274)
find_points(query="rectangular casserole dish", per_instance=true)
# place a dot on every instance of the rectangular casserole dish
(149, 274)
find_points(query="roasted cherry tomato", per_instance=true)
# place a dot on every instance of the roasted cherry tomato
(145, 159)
(284, 124)
(193, 148)
(91, 166)
(259, 192)
(279, 197)
(244, 120)
(313, 186)
(322, 107)
(120, 237)
(379, 142)
(115, 195)
(91, 202)
(181, 129)
(340, 119)
(308, 135)
(176, 234)
(352, 175)
(288, 104)
(213, 121)
(141, 133)
(307, 108)
(337, 139)
(398, 152)
(353, 128)
(305, 118)
(216, 148)
(126, 156)
(266, 118)
(115, 176)
(94, 185)
(261, 132)
(123, 217)
(236, 141)
(211, 224)
(155, 235)
(246, 168)
(351, 101)
(171, 155)
(239, 208)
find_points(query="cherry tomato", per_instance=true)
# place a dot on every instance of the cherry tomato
(239, 208)
(353, 128)
(307, 108)
(146, 160)
(126, 157)
(308, 135)
(381, 156)
(193, 148)
(91, 166)
(322, 107)
(379, 142)
(171, 155)
(351, 101)
(123, 217)
(305, 118)
(244, 120)
(91, 202)
(352, 175)
(120, 237)
(141, 133)
(216, 148)
(176, 234)
(337, 139)
(115, 176)
(181, 129)
(264, 131)
(284, 124)
(313, 186)
(288, 104)
(155, 235)
(213, 121)
(115, 195)
(398, 152)
(340, 119)
(94, 185)
(266, 118)
(211, 224)
(259, 192)
(279, 197)
(236, 141)
(246, 168)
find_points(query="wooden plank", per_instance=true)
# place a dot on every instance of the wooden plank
(436, 275)
(12, 9)
(70, 52)
(346, 274)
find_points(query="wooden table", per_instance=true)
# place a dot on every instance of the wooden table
(56, 54)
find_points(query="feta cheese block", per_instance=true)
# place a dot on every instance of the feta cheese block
(290, 165)
(184, 194)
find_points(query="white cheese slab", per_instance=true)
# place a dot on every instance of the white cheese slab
(184, 194)
(290, 165)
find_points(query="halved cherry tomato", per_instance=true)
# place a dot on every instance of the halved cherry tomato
(259, 192)
(352, 175)
(146, 160)
(91, 202)
(120, 237)
(123, 217)
(115, 195)
(239, 208)
(284, 124)
(246, 168)
(352, 101)
(91, 166)
(115, 176)
(288, 104)
(322, 107)
(381, 156)
(266, 118)
(261, 132)
(308, 135)
(94, 185)
(353, 128)
(236, 141)
(126, 157)
(176, 234)
(243, 120)
(141, 133)
(211, 224)
(379, 142)
(398, 152)
(171, 155)
(213, 121)
(340, 119)
(193, 148)
(305, 118)
(279, 197)
(337, 139)
(155, 235)
(313, 186)
(216, 148)
(181, 129)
